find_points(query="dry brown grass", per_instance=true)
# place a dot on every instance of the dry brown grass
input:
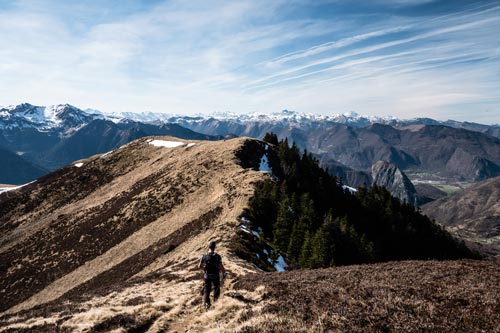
(456, 296)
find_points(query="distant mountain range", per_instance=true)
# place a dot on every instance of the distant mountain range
(348, 144)
(285, 117)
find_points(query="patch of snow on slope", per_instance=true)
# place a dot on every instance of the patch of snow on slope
(106, 154)
(245, 229)
(78, 165)
(166, 144)
(264, 164)
(190, 144)
(244, 219)
(280, 264)
(6, 189)
(351, 189)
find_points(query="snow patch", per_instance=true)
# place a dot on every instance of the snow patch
(264, 164)
(6, 189)
(166, 144)
(244, 219)
(280, 264)
(106, 154)
(245, 229)
(351, 189)
(190, 144)
(78, 165)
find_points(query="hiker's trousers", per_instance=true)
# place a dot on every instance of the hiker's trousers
(209, 281)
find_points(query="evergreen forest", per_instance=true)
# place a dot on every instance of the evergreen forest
(315, 221)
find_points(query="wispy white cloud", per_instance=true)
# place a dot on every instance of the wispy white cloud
(376, 47)
(330, 46)
(249, 55)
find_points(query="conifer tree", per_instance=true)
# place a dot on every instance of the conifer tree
(284, 224)
(271, 138)
(306, 252)
(323, 249)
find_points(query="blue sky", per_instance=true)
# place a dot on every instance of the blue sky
(405, 58)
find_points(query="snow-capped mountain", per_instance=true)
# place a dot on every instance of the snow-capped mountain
(62, 117)
(53, 136)
(288, 118)
(67, 117)
(284, 116)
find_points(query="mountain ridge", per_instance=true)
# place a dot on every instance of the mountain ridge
(137, 202)
(53, 114)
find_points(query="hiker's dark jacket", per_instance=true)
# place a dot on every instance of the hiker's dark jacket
(212, 265)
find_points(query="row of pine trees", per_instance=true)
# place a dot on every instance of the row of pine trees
(312, 219)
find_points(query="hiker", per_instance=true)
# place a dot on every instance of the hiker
(211, 263)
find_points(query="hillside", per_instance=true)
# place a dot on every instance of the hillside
(403, 297)
(111, 242)
(472, 213)
(115, 215)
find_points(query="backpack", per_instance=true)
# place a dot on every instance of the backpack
(212, 263)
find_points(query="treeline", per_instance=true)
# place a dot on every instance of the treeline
(316, 222)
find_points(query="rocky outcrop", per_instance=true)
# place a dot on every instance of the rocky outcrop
(348, 176)
(395, 181)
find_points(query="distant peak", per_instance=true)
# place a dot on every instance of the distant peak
(351, 114)
(288, 112)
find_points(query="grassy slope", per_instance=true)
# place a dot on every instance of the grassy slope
(412, 296)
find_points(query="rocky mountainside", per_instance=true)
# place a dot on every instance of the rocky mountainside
(422, 147)
(111, 243)
(395, 181)
(473, 213)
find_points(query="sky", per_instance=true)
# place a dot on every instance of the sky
(401, 58)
